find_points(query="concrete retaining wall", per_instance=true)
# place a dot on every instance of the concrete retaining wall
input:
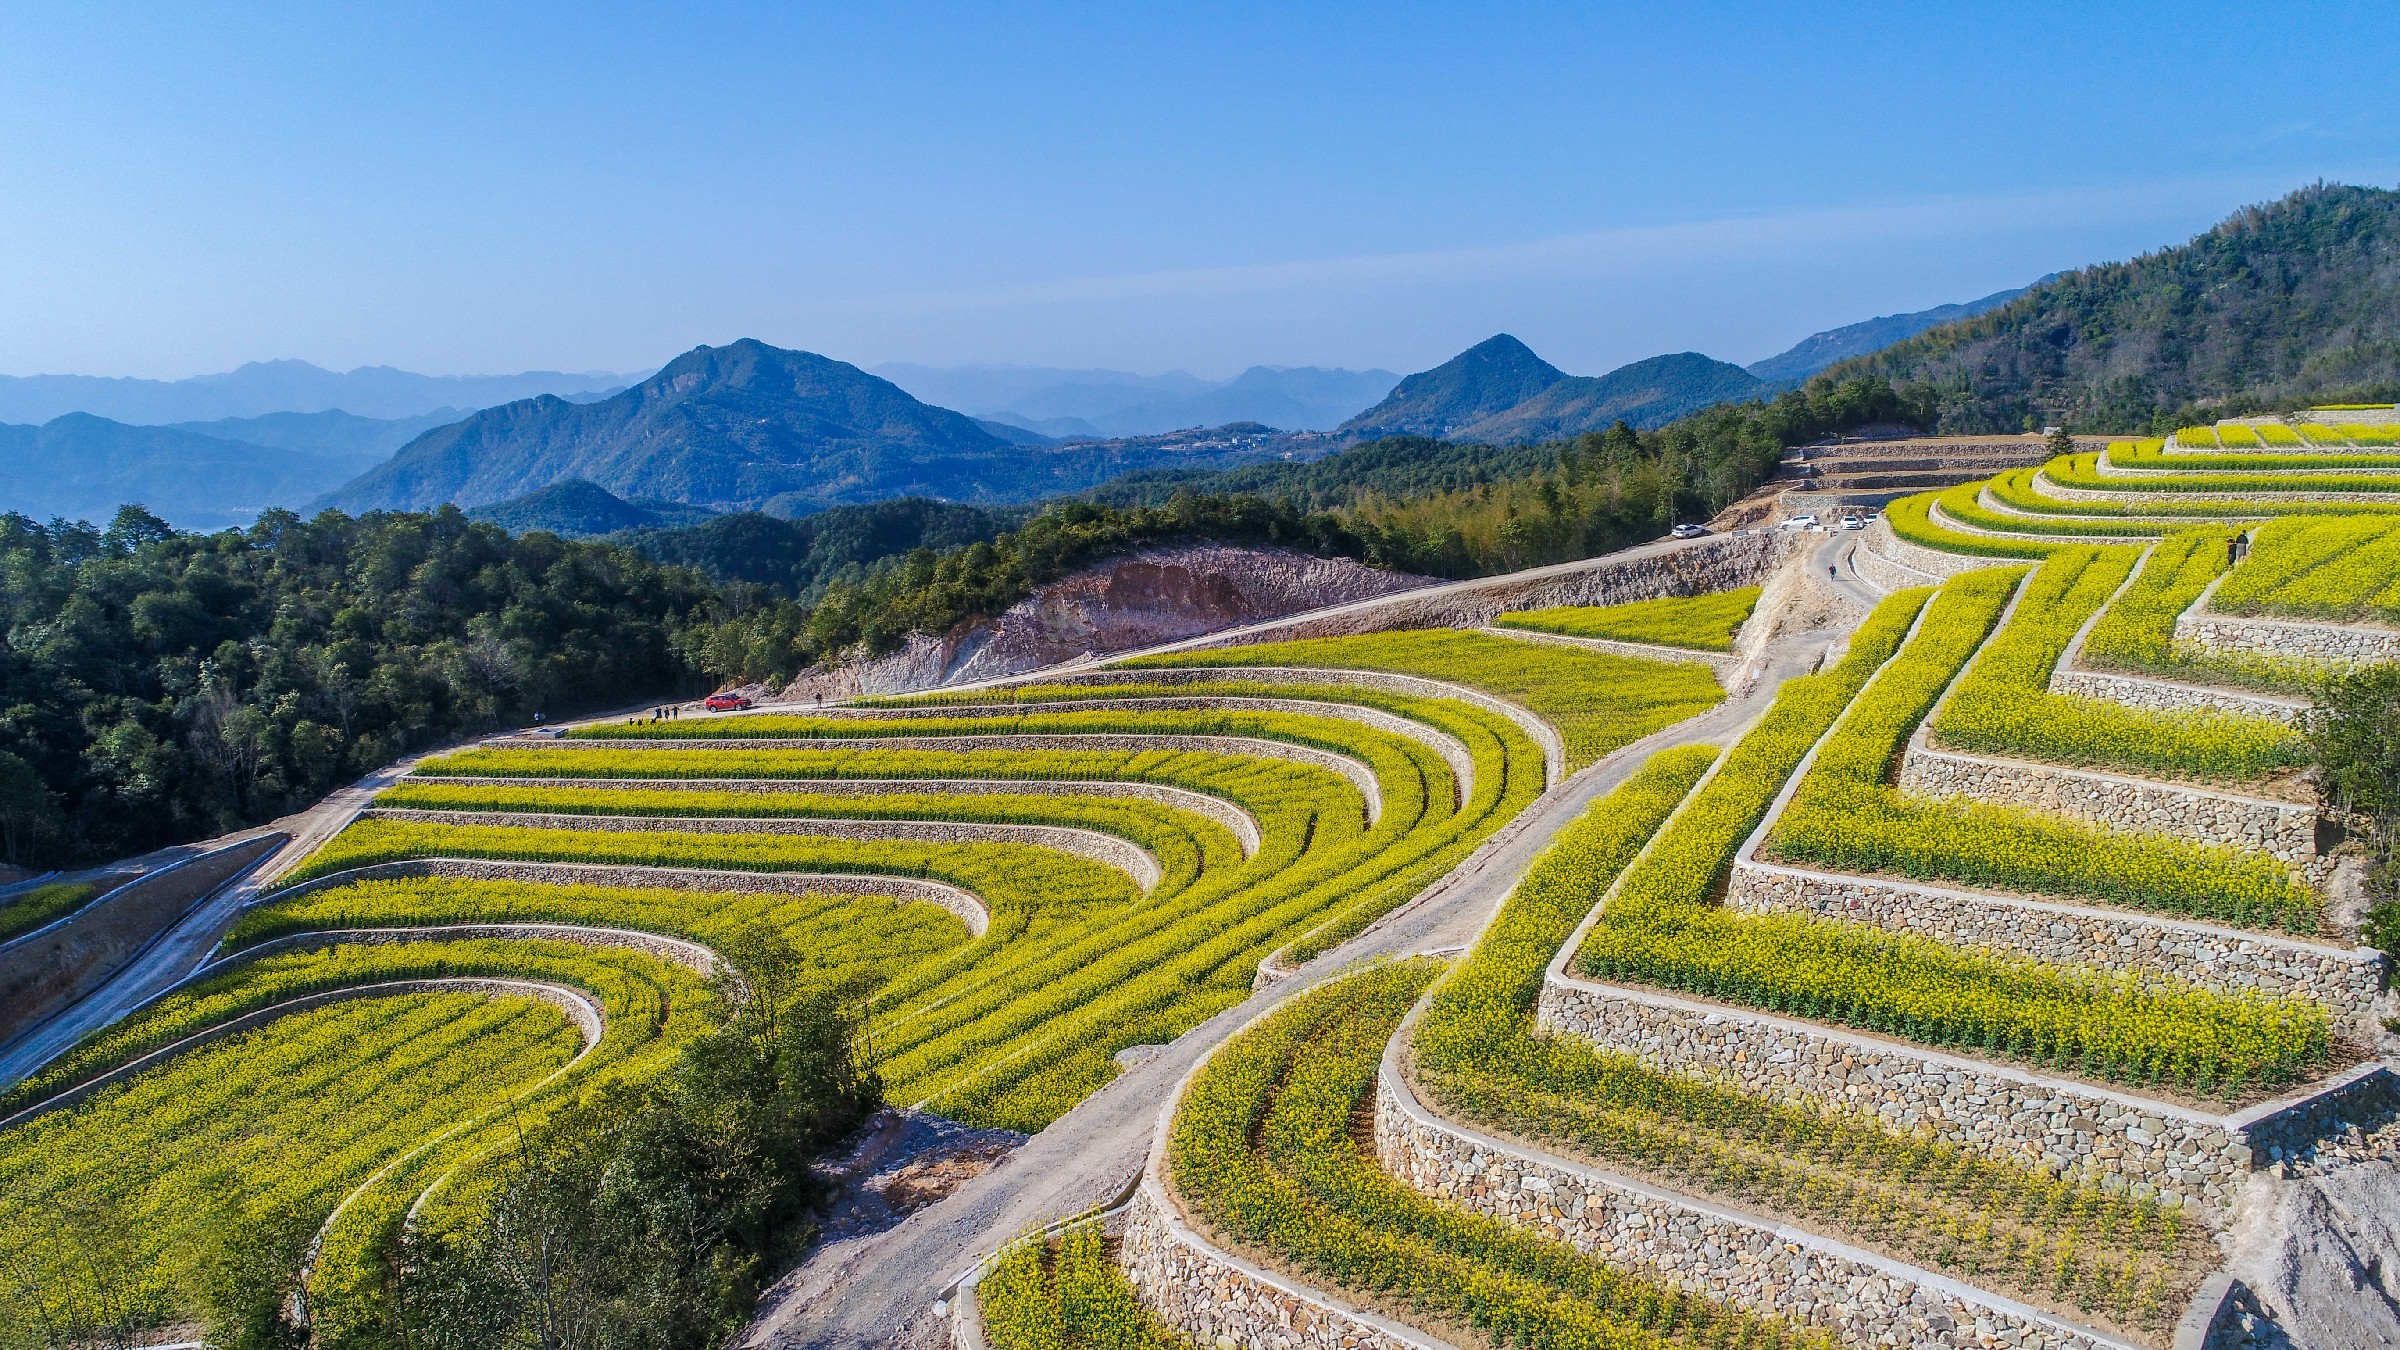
(55, 965)
(1108, 850)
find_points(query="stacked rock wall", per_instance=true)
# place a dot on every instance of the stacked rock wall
(1705, 1248)
(2286, 831)
(2286, 639)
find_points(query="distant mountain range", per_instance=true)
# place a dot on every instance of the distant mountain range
(263, 387)
(747, 426)
(2296, 301)
(1499, 391)
(85, 467)
(1098, 404)
(1819, 350)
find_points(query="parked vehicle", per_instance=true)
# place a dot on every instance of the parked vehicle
(1799, 522)
(1854, 522)
(726, 703)
(1688, 531)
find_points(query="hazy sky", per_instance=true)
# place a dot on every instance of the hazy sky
(487, 187)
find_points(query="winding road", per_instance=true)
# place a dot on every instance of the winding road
(878, 1290)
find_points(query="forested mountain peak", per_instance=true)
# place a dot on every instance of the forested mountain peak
(2292, 302)
(1495, 374)
(1648, 393)
(726, 427)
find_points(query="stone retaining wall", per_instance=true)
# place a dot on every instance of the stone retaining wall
(1720, 662)
(2048, 487)
(1712, 1250)
(1356, 771)
(1878, 539)
(1554, 746)
(2346, 980)
(2173, 696)
(1221, 1301)
(2286, 831)
(2288, 639)
(968, 907)
(1238, 822)
(2061, 1127)
(1453, 751)
(1108, 850)
(578, 1006)
(2119, 1139)
(1881, 572)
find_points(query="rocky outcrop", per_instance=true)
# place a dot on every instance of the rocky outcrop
(1144, 599)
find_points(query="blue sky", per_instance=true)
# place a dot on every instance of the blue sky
(487, 187)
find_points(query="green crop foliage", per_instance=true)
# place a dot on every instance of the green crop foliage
(1263, 1151)
(2082, 471)
(2339, 570)
(1845, 816)
(44, 905)
(1963, 505)
(1016, 1030)
(1597, 701)
(1701, 622)
(2058, 1242)
(1910, 519)
(1182, 843)
(1066, 1294)
(270, 1127)
(2153, 455)
(2003, 705)
(1660, 930)
(2136, 633)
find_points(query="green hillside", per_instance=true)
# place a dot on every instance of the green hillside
(2281, 305)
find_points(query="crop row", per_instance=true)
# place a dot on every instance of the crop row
(1910, 518)
(1596, 700)
(651, 1010)
(1065, 1294)
(281, 1120)
(2136, 633)
(2155, 455)
(1184, 844)
(2339, 569)
(2003, 705)
(1843, 814)
(1018, 1031)
(1263, 1151)
(1963, 504)
(2082, 471)
(1660, 930)
(2055, 1241)
(1701, 622)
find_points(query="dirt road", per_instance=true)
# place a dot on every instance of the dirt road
(879, 1290)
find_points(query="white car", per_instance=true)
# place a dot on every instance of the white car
(1688, 531)
(1854, 522)
(1799, 522)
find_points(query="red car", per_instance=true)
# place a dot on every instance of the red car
(726, 703)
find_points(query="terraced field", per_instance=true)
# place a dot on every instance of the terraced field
(1959, 1001)
(1957, 998)
(1034, 879)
